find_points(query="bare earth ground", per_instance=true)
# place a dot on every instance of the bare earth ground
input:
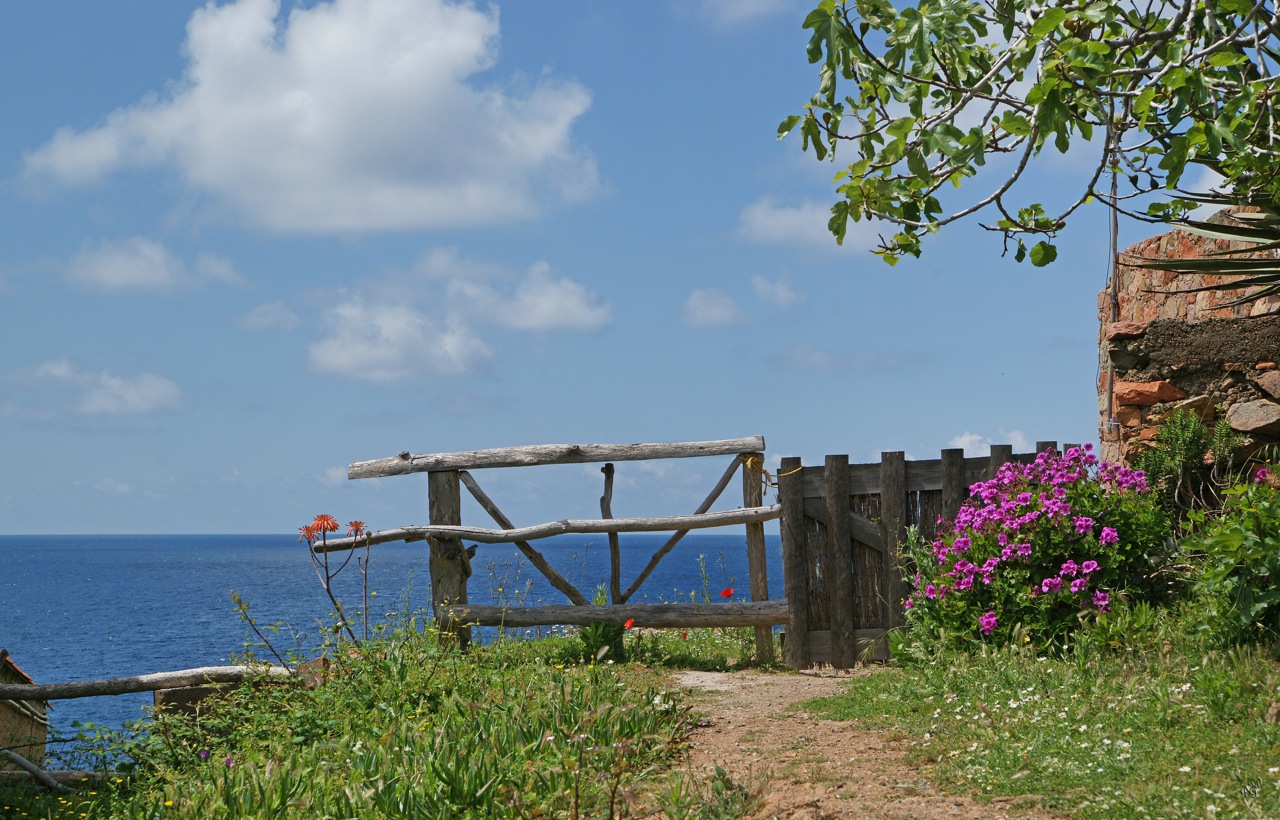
(813, 768)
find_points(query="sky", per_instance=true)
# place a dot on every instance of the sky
(246, 243)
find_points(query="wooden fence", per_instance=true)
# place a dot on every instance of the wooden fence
(842, 527)
(450, 562)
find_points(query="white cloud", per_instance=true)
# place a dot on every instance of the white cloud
(349, 115)
(435, 318)
(780, 294)
(269, 316)
(728, 13)
(807, 357)
(976, 444)
(334, 476)
(105, 394)
(138, 263)
(767, 222)
(109, 486)
(708, 307)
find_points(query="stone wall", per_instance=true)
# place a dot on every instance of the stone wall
(1161, 350)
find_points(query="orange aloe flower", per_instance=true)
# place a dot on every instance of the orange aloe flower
(727, 592)
(355, 528)
(325, 523)
(307, 533)
(630, 623)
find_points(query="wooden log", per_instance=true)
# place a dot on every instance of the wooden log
(450, 566)
(757, 563)
(567, 526)
(657, 616)
(795, 566)
(893, 514)
(954, 486)
(840, 562)
(539, 454)
(536, 558)
(136, 683)
(615, 552)
(671, 542)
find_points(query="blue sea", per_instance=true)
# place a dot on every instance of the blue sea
(99, 606)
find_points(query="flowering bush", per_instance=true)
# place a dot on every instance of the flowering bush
(1036, 546)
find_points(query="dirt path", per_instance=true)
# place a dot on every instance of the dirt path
(814, 768)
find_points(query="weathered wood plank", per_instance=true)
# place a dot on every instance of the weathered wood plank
(954, 486)
(864, 479)
(757, 562)
(536, 558)
(864, 530)
(1041, 446)
(539, 454)
(615, 551)
(840, 561)
(671, 542)
(664, 616)
(1001, 454)
(136, 683)
(795, 564)
(449, 565)
(871, 645)
(567, 526)
(893, 515)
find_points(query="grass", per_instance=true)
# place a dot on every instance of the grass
(1161, 730)
(405, 727)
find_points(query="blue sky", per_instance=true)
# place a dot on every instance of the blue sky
(243, 245)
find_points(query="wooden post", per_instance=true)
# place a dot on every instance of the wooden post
(1001, 454)
(450, 566)
(954, 490)
(839, 565)
(795, 568)
(893, 513)
(1041, 446)
(757, 564)
(615, 552)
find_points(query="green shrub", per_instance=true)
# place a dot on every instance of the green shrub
(1240, 550)
(1033, 550)
(1190, 465)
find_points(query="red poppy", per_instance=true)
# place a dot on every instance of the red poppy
(629, 623)
(727, 592)
(325, 523)
(307, 533)
(684, 636)
(355, 528)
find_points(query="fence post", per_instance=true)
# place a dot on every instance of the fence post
(450, 566)
(1041, 446)
(893, 512)
(839, 572)
(757, 563)
(795, 566)
(1001, 454)
(953, 484)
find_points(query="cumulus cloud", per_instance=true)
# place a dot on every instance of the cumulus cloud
(104, 394)
(269, 316)
(345, 116)
(138, 263)
(439, 317)
(976, 444)
(778, 293)
(768, 222)
(708, 307)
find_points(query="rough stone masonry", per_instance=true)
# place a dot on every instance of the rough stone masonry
(1161, 349)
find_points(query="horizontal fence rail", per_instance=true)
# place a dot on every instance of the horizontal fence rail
(138, 683)
(567, 526)
(668, 616)
(542, 454)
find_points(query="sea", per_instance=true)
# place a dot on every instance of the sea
(86, 607)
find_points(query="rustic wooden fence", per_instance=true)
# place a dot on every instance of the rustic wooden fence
(842, 527)
(450, 562)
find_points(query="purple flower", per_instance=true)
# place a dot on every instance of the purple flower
(1088, 567)
(1079, 584)
(930, 592)
(1051, 584)
(1102, 601)
(987, 623)
(1084, 524)
(1024, 550)
(907, 604)
(1261, 475)
(204, 754)
(1108, 536)
(1069, 569)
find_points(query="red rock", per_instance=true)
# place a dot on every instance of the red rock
(1129, 416)
(1145, 394)
(1124, 330)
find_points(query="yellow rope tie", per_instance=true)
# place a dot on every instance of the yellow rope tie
(757, 463)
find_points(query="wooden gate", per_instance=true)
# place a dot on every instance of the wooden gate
(450, 561)
(842, 527)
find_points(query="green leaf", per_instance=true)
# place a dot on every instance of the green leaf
(1049, 20)
(786, 125)
(1043, 254)
(838, 224)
